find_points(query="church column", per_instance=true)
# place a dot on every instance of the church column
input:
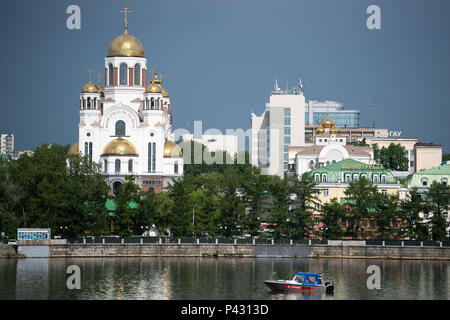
(144, 77)
(116, 73)
(106, 77)
(130, 75)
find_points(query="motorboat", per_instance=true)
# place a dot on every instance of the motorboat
(302, 281)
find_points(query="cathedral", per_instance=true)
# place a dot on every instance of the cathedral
(127, 126)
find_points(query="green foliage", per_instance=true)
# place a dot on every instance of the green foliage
(333, 214)
(439, 201)
(48, 193)
(393, 157)
(303, 198)
(361, 195)
(445, 157)
(386, 214)
(410, 209)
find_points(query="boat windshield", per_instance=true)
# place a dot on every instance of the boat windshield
(298, 279)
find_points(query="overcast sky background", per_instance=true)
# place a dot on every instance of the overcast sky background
(220, 58)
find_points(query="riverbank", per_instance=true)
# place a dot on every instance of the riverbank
(8, 251)
(343, 250)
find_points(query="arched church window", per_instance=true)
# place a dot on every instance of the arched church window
(130, 165)
(120, 128)
(117, 166)
(123, 73)
(89, 103)
(105, 167)
(152, 104)
(175, 167)
(137, 74)
(111, 75)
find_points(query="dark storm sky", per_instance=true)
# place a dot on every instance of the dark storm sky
(219, 59)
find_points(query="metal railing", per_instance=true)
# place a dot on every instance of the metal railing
(252, 241)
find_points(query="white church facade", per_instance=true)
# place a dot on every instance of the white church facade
(127, 126)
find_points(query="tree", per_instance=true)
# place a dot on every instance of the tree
(393, 157)
(386, 214)
(279, 193)
(413, 226)
(446, 157)
(333, 213)
(180, 219)
(8, 220)
(304, 199)
(230, 205)
(255, 191)
(126, 199)
(438, 197)
(361, 196)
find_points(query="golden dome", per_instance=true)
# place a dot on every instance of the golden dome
(328, 123)
(320, 130)
(119, 147)
(172, 150)
(125, 45)
(165, 93)
(73, 150)
(89, 88)
(153, 88)
(334, 130)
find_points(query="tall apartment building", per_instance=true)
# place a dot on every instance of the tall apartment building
(281, 125)
(6, 143)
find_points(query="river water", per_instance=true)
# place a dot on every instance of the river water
(217, 278)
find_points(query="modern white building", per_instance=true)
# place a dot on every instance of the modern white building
(281, 125)
(216, 142)
(127, 126)
(6, 143)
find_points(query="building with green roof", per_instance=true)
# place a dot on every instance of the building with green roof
(425, 178)
(333, 180)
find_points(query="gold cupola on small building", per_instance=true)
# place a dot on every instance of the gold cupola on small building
(327, 126)
(89, 87)
(154, 85)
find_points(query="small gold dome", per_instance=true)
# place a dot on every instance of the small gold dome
(89, 88)
(320, 130)
(73, 150)
(172, 150)
(334, 130)
(101, 91)
(119, 147)
(165, 93)
(125, 45)
(153, 88)
(328, 123)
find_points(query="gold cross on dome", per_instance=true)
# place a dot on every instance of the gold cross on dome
(126, 11)
(90, 75)
(98, 78)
